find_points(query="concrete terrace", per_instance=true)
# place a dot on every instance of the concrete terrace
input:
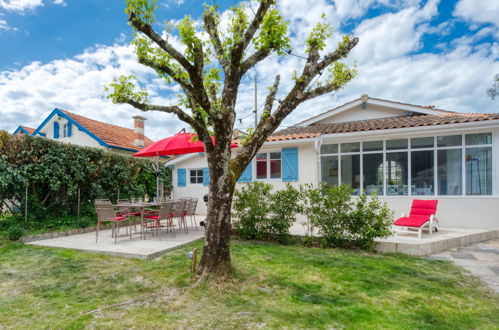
(149, 248)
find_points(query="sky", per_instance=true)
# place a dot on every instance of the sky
(62, 53)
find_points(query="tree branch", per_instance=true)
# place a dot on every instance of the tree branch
(199, 126)
(254, 59)
(337, 54)
(211, 27)
(167, 70)
(162, 43)
(238, 50)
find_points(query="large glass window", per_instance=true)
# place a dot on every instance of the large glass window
(422, 172)
(268, 165)
(329, 170)
(350, 171)
(372, 167)
(463, 165)
(396, 173)
(449, 167)
(478, 171)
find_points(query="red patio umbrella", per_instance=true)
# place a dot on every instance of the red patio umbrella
(180, 143)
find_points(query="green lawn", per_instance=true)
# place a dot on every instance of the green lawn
(274, 286)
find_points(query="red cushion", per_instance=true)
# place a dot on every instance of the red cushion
(185, 212)
(119, 218)
(152, 217)
(133, 213)
(423, 207)
(412, 221)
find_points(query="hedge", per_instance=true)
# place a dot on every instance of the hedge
(55, 171)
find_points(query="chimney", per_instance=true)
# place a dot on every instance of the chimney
(138, 127)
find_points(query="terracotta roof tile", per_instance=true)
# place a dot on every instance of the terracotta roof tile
(113, 135)
(302, 132)
(29, 129)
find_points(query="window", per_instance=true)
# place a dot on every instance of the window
(445, 165)
(196, 176)
(478, 171)
(422, 178)
(396, 173)
(329, 170)
(268, 165)
(478, 164)
(373, 173)
(350, 171)
(450, 173)
(65, 130)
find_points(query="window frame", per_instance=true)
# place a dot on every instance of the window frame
(267, 160)
(409, 151)
(197, 176)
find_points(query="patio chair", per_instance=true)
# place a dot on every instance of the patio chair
(422, 215)
(106, 213)
(190, 210)
(126, 211)
(164, 213)
(179, 213)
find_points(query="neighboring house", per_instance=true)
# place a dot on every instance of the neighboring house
(69, 127)
(24, 130)
(397, 150)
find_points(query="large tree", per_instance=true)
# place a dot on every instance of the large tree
(209, 68)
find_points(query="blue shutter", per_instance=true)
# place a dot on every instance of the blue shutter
(206, 176)
(289, 164)
(247, 175)
(69, 129)
(181, 177)
(56, 130)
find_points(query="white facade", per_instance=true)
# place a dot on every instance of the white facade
(468, 196)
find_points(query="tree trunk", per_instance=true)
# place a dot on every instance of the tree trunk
(216, 253)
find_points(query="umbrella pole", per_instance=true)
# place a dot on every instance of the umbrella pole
(157, 179)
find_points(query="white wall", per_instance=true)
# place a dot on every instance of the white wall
(306, 156)
(453, 211)
(357, 113)
(77, 137)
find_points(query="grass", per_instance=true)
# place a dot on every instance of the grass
(274, 286)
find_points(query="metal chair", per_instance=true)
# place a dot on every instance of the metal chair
(106, 213)
(163, 214)
(191, 211)
(179, 213)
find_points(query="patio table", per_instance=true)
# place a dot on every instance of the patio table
(140, 206)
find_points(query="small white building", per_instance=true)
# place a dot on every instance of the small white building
(65, 126)
(399, 151)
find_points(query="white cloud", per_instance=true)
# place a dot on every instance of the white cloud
(5, 26)
(20, 6)
(453, 80)
(483, 11)
(393, 34)
(28, 95)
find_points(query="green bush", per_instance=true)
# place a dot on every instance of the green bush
(54, 172)
(346, 221)
(265, 215)
(15, 232)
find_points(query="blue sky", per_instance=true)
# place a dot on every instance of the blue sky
(60, 53)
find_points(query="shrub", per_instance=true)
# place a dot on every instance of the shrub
(262, 214)
(54, 172)
(346, 221)
(251, 206)
(15, 232)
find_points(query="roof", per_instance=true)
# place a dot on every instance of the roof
(365, 99)
(24, 130)
(301, 132)
(112, 135)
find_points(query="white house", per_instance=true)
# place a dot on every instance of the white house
(398, 150)
(69, 127)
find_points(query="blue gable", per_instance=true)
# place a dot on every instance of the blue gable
(75, 123)
(20, 129)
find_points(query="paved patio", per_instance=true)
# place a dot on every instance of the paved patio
(151, 247)
(481, 259)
